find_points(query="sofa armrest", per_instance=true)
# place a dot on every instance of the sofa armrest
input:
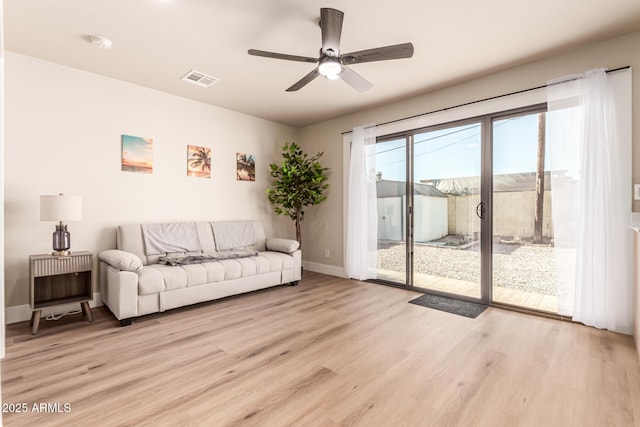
(286, 246)
(119, 291)
(121, 260)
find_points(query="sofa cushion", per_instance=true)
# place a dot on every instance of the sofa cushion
(215, 271)
(232, 269)
(259, 238)
(159, 278)
(277, 260)
(150, 281)
(287, 260)
(129, 238)
(174, 277)
(247, 267)
(170, 237)
(263, 265)
(233, 234)
(196, 274)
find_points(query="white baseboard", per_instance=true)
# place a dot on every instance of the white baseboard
(22, 313)
(331, 270)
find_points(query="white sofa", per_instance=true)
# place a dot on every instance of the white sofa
(134, 282)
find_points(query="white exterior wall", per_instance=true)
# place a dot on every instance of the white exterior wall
(390, 218)
(430, 220)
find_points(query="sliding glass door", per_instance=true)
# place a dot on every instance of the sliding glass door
(446, 194)
(428, 189)
(523, 272)
(464, 209)
(391, 191)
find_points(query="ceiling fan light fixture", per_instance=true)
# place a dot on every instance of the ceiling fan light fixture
(330, 67)
(331, 64)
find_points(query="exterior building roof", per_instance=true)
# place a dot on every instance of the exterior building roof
(525, 181)
(386, 188)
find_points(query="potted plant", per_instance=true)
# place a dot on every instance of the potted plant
(300, 181)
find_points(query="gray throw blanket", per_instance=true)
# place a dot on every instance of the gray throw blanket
(199, 259)
(171, 237)
(233, 235)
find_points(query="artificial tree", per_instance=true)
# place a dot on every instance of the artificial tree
(298, 182)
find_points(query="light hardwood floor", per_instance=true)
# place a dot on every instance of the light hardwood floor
(518, 298)
(327, 352)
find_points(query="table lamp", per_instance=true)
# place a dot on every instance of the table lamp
(61, 208)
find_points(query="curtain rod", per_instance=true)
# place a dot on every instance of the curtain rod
(483, 100)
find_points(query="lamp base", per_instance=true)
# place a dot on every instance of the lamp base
(61, 253)
(61, 241)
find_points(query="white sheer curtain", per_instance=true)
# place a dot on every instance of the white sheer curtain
(589, 136)
(362, 218)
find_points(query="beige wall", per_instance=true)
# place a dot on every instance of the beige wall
(62, 134)
(2, 299)
(325, 221)
(462, 211)
(636, 290)
(513, 214)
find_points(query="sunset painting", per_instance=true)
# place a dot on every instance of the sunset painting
(137, 154)
(246, 167)
(198, 161)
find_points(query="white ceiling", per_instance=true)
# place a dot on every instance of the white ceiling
(155, 42)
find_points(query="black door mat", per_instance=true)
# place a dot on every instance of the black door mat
(450, 305)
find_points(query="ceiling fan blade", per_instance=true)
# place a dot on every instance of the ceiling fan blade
(397, 51)
(274, 55)
(331, 26)
(355, 80)
(305, 80)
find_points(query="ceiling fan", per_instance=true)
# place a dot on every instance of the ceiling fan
(332, 65)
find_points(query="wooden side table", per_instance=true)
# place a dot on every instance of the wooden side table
(57, 280)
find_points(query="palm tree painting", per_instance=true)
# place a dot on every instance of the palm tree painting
(246, 167)
(198, 161)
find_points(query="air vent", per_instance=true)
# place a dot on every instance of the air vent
(198, 78)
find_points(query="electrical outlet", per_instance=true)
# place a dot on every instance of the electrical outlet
(636, 191)
(327, 253)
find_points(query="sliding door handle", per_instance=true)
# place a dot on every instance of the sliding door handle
(480, 210)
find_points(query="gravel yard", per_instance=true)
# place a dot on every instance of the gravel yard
(524, 267)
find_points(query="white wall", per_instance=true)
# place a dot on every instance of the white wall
(2, 317)
(63, 134)
(325, 221)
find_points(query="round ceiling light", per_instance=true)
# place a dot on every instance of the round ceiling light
(329, 66)
(101, 41)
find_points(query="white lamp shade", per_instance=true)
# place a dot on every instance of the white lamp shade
(60, 208)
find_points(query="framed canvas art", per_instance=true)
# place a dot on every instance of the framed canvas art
(245, 167)
(137, 154)
(198, 161)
